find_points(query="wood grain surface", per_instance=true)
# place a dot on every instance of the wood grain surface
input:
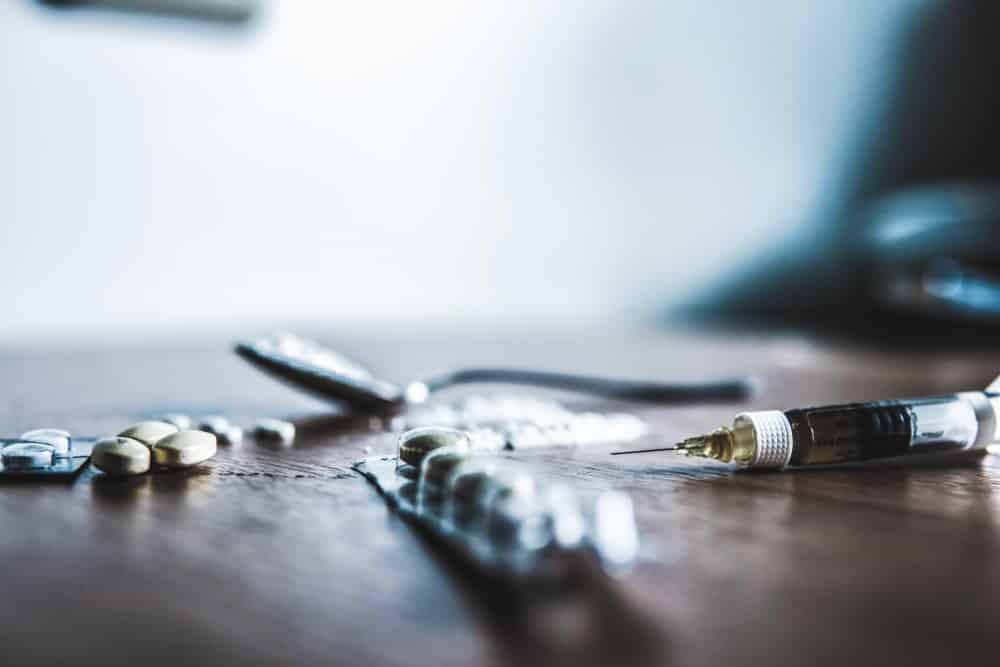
(284, 556)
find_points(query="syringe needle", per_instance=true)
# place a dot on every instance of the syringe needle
(678, 447)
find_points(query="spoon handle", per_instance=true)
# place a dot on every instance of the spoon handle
(317, 370)
(735, 389)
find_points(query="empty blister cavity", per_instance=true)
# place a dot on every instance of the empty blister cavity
(497, 510)
(464, 487)
(435, 469)
(511, 512)
(565, 515)
(60, 441)
(26, 455)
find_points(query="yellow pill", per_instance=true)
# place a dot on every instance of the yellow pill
(415, 444)
(120, 456)
(184, 449)
(149, 432)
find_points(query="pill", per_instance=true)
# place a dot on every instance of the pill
(214, 424)
(414, 444)
(58, 439)
(149, 433)
(21, 455)
(120, 456)
(184, 448)
(274, 430)
(182, 422)
(231, 436)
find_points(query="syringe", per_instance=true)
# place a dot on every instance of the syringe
(852, 432)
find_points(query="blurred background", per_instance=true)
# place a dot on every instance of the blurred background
(502, 164)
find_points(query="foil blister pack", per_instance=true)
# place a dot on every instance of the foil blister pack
(502, 516)
(41, 459)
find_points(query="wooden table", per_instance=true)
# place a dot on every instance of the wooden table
(272, 556)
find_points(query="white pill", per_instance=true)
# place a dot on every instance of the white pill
(274, 430)
(119, 456)
(214, 424)
(149, 433)
(184, 448)
(182, 422)
(60, 440)
(21, 455)
(231, 436)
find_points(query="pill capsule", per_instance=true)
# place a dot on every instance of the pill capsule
(414, 445)
(120, 456)
(274, 430)
(214, 424)
(149, 432)
(24, 455)
(184, 448)
(60, 440)
(181, 421)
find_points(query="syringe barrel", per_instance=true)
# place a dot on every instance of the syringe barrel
(857, 432)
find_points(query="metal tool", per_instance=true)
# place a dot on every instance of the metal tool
(317, 370)
(852, 433)
(224, 11)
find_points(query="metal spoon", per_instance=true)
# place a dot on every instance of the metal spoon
(317, 370)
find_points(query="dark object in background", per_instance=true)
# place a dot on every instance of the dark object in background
(227, 11)
(910, 247)
(934, 252)
(312, 368)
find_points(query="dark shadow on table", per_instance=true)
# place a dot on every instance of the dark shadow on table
(589, 622)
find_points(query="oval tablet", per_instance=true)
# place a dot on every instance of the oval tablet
(150, 432)
(415, 444)
(119, 456)
(22, 455)
(60, 440)
(184, 448)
